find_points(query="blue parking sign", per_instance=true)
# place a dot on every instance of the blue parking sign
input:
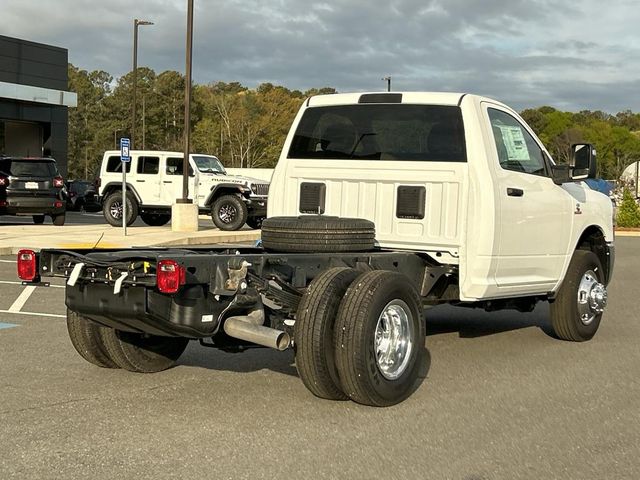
(124, 150)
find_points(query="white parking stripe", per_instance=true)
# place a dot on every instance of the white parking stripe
(7, 261)
(20, 283)
(22, 299)
(36, 314)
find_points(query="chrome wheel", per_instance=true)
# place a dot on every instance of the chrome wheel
(393, 339)
(115, 209)
(227, 213)
(592, 297)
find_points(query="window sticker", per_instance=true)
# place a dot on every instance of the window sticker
(514, 142)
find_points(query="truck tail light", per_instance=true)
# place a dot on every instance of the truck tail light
(27, 265)
(170, 276)
(4, 181)
(58, 182)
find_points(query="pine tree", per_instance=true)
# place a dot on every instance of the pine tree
(628, 211)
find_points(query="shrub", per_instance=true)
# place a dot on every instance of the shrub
(628, 211)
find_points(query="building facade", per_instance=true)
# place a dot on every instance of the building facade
(34, 100)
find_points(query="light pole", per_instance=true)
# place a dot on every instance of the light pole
(388, 80)
(136, 24)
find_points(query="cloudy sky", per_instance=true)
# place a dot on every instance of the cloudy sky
(570, 55)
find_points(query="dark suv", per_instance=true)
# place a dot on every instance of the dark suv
(32, 186)
(81, 195)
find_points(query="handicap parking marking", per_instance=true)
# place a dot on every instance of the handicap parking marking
(7, 325)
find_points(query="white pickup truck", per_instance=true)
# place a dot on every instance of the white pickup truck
(381, 204)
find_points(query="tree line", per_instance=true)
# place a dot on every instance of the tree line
(247, 127)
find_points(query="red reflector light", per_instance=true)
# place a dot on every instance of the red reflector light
(57, 204)
(27, 265)
(58, 182)
(170, 276)
(3, 203)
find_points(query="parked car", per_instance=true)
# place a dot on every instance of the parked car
(154, 181)
(81, 195)
(32, 186)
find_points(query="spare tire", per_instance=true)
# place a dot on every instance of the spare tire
(317, 233)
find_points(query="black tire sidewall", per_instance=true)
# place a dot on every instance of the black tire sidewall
(398, 389)
(132, 209)
(241, 212)
(565, 306)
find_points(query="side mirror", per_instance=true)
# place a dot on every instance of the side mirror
(560, 174)
(584, 161)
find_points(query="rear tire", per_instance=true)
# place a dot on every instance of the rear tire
(575, 314)
(155, 219)
(112, 209)
(314, 332)
(255, 222)
(380, 338)
(85, 338)
(58, 220)
(142, 353)
(38, 219)
(229, 212)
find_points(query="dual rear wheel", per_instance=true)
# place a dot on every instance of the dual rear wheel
(109, 348)
(360, 336)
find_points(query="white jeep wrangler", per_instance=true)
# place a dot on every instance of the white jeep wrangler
(154, 181)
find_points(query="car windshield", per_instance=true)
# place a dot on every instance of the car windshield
(208, 164)
(28, 168)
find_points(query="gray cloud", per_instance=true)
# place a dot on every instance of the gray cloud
(526, 53)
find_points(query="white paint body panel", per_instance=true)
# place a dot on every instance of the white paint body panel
(505, 246)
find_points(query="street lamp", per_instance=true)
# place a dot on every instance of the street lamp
(388, 80)
(136, 24)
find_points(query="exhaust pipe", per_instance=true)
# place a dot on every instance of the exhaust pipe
(249, 328)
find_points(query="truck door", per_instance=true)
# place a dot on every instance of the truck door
(172, 180)
(535, 215)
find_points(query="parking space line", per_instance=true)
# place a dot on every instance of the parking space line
(20, 283)
(7, 261)
(22, 299)
(54, 315)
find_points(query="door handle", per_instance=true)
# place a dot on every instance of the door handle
(167, 181)
(515, 192)
(140, 181)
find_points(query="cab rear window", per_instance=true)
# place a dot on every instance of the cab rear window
(28, 168)
(381, 132)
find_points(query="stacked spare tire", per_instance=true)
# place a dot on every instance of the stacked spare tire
(317, 233)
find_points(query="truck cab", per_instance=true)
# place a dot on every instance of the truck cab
(459, 177)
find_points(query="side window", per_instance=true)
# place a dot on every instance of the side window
(517, 150)
(174, 166)
(148, 165)
(114, 165)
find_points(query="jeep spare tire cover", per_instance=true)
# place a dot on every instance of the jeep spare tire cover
(317, 233)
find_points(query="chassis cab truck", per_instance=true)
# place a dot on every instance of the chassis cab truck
(381, 205)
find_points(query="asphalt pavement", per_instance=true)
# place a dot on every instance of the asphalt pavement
(501, 400)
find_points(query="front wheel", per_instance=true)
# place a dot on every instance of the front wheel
(379, 339)
(577, 310)
(229, 212)
(112, 209)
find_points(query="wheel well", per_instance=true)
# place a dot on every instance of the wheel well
(593, 239)
(109, 189)
(218, 192)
